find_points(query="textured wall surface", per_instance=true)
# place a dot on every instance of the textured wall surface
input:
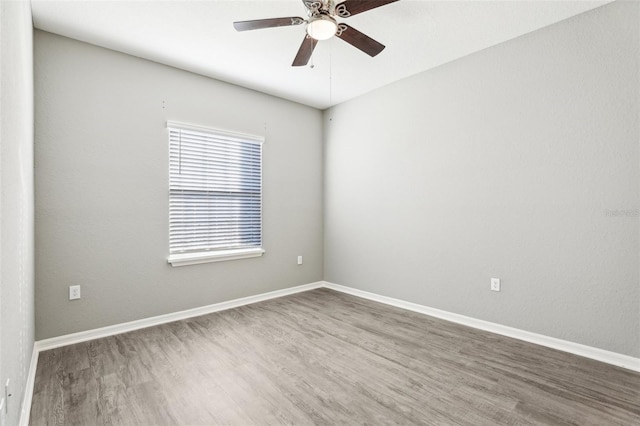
(16, 202)
(518, 162)
(102, 187)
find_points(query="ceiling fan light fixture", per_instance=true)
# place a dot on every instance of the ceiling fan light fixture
(322, 27)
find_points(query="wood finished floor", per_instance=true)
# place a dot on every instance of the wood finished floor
(323, 357)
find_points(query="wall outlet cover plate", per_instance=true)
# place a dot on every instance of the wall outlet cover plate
(495, 284)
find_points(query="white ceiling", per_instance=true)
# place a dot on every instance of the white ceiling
(198, 36)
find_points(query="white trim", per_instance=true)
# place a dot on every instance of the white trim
(25, 411)
(602, 355)
(184, 259)
(83, 336)
(234, 136)
(614, 358)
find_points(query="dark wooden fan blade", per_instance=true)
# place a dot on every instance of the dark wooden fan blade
(259, 24)
(305, 51)
(353, 7)
(359, 40)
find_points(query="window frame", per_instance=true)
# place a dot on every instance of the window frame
(215, 255)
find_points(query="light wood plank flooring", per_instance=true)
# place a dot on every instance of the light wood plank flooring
(323, 357)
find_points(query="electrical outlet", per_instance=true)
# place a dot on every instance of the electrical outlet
(495, 284)
(74, 292)
(299, 260)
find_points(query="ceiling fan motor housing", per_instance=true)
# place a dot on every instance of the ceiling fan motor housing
(326, 7)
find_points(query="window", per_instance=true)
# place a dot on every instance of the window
(215, 195)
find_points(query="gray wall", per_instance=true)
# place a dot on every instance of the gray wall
(16, 202)
(507, 163)
(102, 182)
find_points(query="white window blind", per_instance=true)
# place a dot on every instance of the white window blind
(215, 194)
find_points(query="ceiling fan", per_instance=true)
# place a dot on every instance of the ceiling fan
(322, 25)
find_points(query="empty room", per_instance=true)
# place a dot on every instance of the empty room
(319, 212)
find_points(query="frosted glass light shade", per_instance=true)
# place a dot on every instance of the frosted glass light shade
(322, 28)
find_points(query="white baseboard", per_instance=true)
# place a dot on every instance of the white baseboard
(602, 355)
(83, 336)
(620, 360)
(25, 411)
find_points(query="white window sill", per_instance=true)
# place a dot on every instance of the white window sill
(213, 256)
